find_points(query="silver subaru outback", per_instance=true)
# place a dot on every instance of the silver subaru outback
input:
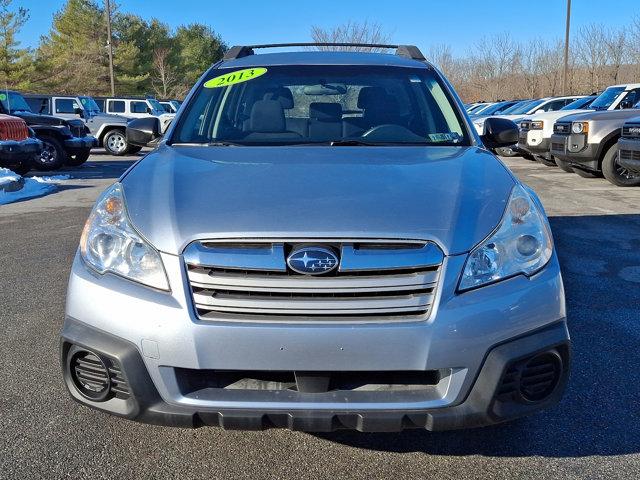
(320, 241)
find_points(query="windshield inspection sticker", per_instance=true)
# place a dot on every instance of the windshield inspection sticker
(443, 137)
(232, 78)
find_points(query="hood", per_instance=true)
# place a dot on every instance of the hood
(603, 115)
(555, 115)
(107, 118)
(454, 196)
(39, 119)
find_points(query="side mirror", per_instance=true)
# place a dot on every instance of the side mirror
(540, 111)
(78, 111)
(499, 132)
(142, 131)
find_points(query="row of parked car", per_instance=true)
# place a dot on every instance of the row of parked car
(591, 135)
(46, 132)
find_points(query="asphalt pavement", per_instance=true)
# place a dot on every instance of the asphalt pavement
(593, 433)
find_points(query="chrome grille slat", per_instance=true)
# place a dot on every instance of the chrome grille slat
(373, 283)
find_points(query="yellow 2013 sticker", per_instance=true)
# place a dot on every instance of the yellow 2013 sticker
(3, 97)
(238, 76)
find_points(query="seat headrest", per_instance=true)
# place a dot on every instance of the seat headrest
(283, 95)
(325, 111)
(369, 96)
(267, 116)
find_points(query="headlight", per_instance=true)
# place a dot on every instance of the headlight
(580, 127)
(522, 244)
(537, 125)
(109, 243)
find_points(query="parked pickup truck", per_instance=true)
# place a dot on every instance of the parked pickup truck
(66, 142)
(588, 142)
(17, 145)
(108, 129)
(629, 146)
(136, 107)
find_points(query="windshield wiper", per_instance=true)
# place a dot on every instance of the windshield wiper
(225, 144)
(351, 143)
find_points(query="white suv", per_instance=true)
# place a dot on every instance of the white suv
(536, 130)
(138, 108)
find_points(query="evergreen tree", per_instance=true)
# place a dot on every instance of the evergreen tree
(16, 64)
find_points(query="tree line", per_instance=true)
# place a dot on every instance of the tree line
(72, 58)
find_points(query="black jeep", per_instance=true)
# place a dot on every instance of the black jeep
(66, 142)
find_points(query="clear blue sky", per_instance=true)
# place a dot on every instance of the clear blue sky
(422, 22)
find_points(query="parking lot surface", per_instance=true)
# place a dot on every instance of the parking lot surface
(593, 433)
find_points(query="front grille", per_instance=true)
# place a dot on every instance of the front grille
(631, 131)
(13, 130)
(630, 155)
(562, 128)
(373, 282)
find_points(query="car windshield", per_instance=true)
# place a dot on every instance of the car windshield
(321, 104)
(517, 107)
(496, 107)
(14, 102)
(606, 98)
(89, 104)
(155, 104)
(579, 103)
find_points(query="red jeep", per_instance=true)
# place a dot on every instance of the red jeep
(17, 146)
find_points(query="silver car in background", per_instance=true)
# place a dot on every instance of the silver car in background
(321, 241)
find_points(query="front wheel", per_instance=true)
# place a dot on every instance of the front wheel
(566, 166)
(78, 159)
(616, 173)
(115, 143)
(546, 161)
(52, 157)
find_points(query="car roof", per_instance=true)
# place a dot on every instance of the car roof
(322, 58)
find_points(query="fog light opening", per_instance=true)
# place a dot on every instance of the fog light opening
(88, 374)
(540, 376)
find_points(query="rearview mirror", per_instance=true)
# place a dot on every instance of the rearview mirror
(143, 131)
(499, 132)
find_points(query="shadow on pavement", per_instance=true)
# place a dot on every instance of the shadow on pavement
(600, 413)
(92, 169)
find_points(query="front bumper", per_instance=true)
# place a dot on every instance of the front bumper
(576, 150)
(533, 141)
(154, 335)
(77, 144)
(629, 154)
(14, 152)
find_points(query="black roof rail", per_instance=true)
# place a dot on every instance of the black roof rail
(408, 51)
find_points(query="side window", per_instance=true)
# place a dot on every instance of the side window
(631, 98)
(116, 106)
(38, 104)
(65, 105)
(139, 107)
(554, 105)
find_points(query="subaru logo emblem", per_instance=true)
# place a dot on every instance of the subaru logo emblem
(312, 260)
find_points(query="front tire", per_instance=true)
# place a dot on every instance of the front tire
(115, 143)
(53, 155)
(545, 161)
(616, 173)
(78, 159)
(566, 166)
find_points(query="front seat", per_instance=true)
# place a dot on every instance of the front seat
(267, 122)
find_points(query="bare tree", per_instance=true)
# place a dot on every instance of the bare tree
(615, 43)
(164, 76)
(351, 32)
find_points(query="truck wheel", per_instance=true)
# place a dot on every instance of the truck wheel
(564, 165)
(115, 142)
(616, 173)
(52, 157)
(545, 161)
(586, 174)
(78, 159)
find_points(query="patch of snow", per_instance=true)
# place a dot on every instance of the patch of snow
(33, 186)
